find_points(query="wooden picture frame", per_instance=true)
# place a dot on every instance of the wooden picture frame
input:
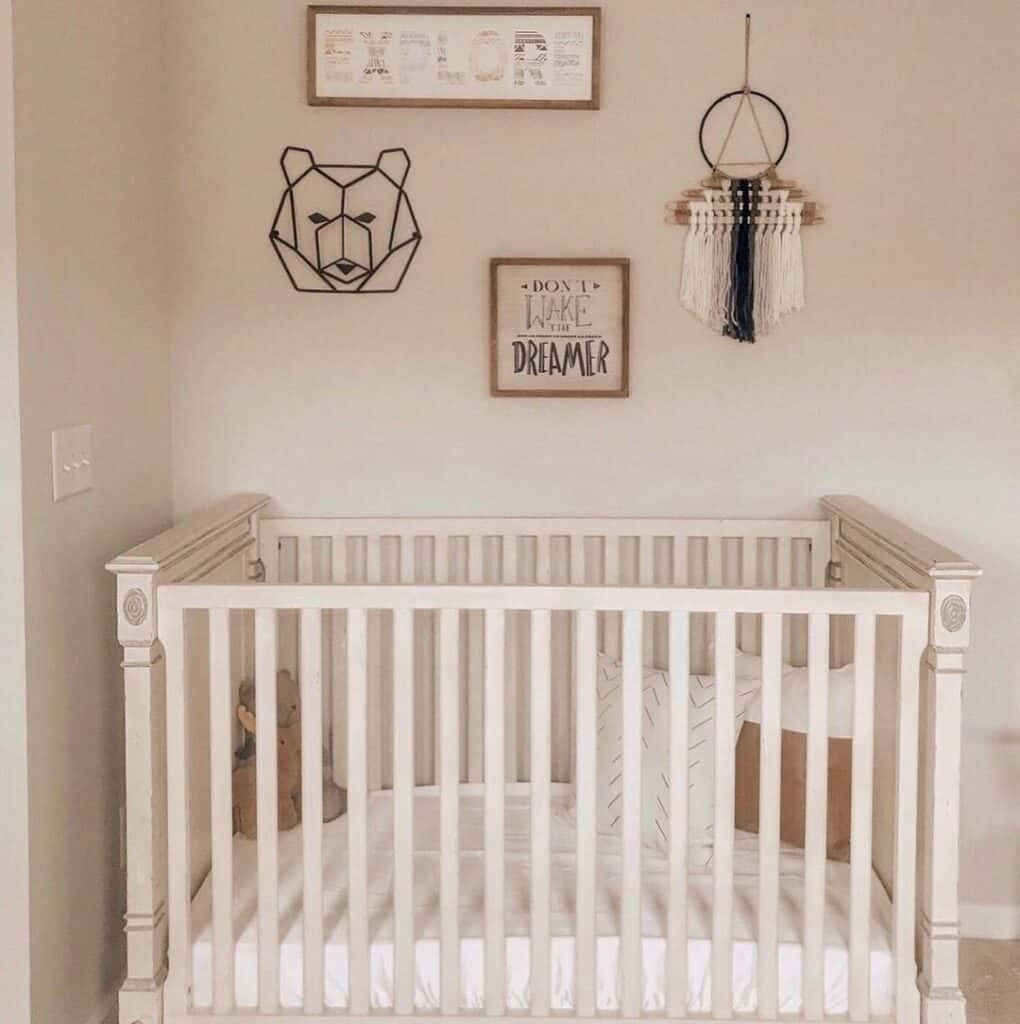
(563, 322)
(511, 44)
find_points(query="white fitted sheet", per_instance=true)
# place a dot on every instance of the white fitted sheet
(655, 889)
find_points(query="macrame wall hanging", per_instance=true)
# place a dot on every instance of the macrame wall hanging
(743, 268)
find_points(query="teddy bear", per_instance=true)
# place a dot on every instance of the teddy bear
(288, 719)
(288, 708)
(288, 780)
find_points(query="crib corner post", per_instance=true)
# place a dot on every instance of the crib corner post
(141, 995)
(942, 1001)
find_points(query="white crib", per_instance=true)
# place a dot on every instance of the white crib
(447, 668)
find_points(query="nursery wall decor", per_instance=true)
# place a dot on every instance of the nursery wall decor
(560, 328)
(455, 57)
(743, 269)
(345, 228)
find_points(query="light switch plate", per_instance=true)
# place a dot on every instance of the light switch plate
(72, 461)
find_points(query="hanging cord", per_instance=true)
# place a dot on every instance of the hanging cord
(745, 97)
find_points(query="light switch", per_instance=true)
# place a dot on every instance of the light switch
(72, 461)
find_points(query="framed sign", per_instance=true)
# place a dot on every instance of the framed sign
(560, 328)
(454, 57)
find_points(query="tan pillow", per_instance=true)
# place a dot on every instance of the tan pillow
(792, 788)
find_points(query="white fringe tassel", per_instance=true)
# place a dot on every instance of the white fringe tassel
(778, 260)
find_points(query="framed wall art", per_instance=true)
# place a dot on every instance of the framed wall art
(537, 57)
(560, 328)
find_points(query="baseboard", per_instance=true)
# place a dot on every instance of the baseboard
(990, 920)
(106, 1012)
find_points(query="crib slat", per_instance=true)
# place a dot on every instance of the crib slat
(221, 763)
(722, 830)
(171, 631)
(267, 810)
(630, 900)
(511, 685)
(449, 818)
(541, 776)
(748, 578)
(510, 559)
(475, 697)
(338, 557)
(680, 560)
(714, 569)
(407, 558)
(679, 684)
(784, 578)
(816, 817)
(611, 569)
(375, 729)
(543, 559)
(584, 942)
(495, 940)
(784, 561)
(357, 809)
(576, 559)
(913, 636)
(376, 716)
(311, 806)
(306, 571)
(337, 683)
(768, 814)
(269, 550)
(426, 701)
(475, 566)
(373, 559)
(646, 560)
(439, 575)
(509, 575)
(862, 772)
(403, 811)
(441, 558)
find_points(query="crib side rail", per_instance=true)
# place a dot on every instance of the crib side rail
(197, 548)
(494, 603)
(606, 551)
(618, 550)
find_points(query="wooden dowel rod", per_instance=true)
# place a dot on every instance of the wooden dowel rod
(807, 219)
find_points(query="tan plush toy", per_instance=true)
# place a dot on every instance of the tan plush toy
(288, 717)
(288, 779)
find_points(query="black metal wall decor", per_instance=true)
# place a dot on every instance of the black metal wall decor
(345, 228)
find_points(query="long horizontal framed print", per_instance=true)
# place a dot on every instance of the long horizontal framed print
(455, 57)
(560, 328)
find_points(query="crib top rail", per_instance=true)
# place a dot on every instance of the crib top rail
(479, 597)
(530, 526)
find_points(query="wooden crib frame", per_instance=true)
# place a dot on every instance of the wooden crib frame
(210, 560)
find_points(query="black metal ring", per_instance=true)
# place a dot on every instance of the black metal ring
(728, 96)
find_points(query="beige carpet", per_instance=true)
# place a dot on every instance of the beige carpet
(990, 977)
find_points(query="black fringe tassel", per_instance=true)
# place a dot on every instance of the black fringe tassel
(740, 314)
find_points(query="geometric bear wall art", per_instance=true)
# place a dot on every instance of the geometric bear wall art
(345, 228)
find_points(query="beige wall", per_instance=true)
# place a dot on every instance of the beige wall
(15, 968)
(90, 114)
(899, 382)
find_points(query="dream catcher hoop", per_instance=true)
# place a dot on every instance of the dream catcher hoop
(743, 267)
(747, 95)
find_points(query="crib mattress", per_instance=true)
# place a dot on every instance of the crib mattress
(426, 885)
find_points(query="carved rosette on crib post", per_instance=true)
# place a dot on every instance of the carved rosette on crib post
(199, 546)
